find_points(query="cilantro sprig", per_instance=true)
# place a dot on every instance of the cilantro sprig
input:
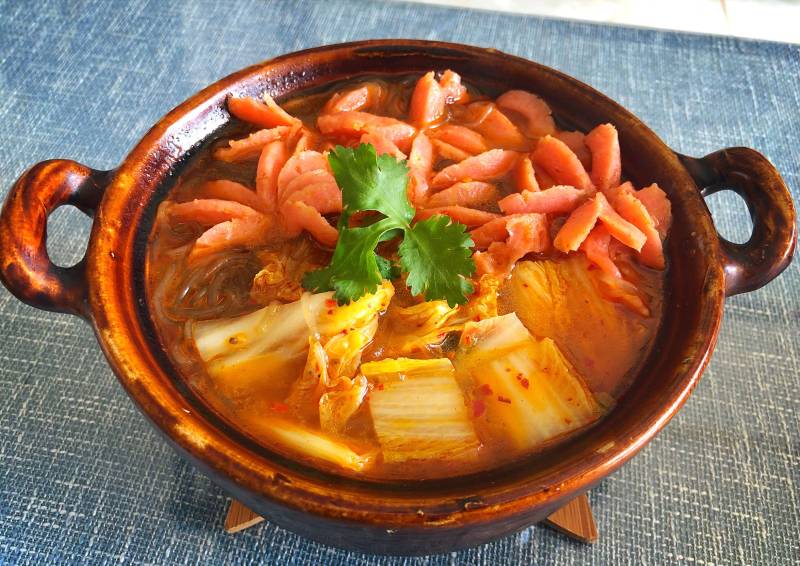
(434, 254)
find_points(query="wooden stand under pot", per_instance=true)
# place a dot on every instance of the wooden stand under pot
(574, 519)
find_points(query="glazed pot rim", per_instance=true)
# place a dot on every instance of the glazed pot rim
(113, 308)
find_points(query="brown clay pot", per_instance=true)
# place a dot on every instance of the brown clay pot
(107, 289)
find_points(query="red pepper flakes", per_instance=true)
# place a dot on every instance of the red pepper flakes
(379, 387)
(525, 383)
(478, 407)
(279, 407)
(503, 399)
(485, 389)
(330, 303)
(330, 311)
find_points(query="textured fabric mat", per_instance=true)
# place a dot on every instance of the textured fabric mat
(84, 479)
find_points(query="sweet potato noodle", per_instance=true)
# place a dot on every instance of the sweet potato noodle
(562, 292)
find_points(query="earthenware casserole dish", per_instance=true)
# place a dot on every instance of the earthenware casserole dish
(107, 290)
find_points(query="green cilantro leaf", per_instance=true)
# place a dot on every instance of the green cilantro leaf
(369, 182)
(355, 269)
(436, 255)
(318, 280)
(388, 269)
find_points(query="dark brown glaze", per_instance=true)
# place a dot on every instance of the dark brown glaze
(25, 268)
(758, 261)
(395, 517)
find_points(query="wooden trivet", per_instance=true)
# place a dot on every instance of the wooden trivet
(240, 517)
(574, 519)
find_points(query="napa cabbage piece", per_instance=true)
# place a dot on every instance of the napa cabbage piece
(339, 336)
(307, 389)
(337, 406)
(337, 318)
(426, 325)
(483, 304)
(298, 439)
(425, 317)
(272, 340)
(524, 392)
(418, 411)
(414, 329)
(562, 300)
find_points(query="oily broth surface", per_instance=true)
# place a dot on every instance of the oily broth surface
(219, 286)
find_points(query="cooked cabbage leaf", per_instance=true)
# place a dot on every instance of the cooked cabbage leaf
(316, 445)
(524, 392)
(432, 324)
(338, 405)
(562, 300)
(418, 410)
(250, 346)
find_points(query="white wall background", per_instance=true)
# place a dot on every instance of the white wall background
(775, 20)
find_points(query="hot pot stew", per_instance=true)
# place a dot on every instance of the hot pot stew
(406, 278)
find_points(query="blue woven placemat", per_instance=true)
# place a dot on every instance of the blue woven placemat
(84, 479)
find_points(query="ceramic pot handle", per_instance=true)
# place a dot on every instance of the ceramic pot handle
(25, 267)
(758, 261)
